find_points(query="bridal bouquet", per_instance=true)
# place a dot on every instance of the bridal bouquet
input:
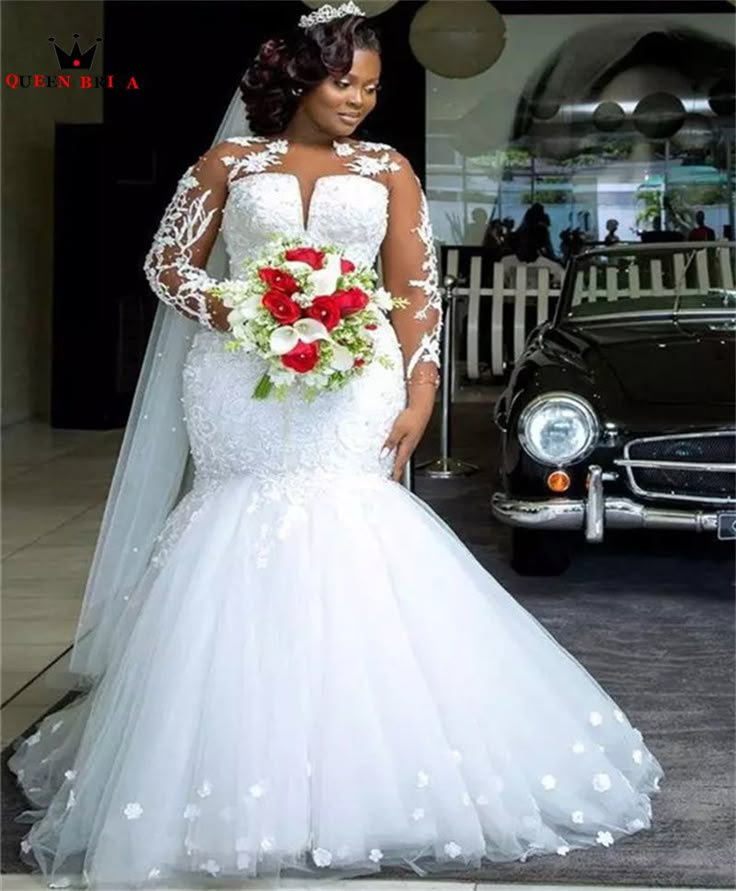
(309, 312)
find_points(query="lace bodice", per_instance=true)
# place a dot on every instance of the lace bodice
(268, 202)
(361, 196)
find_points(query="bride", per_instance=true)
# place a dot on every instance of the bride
(297, 669)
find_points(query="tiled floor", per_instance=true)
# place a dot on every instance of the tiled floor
(54, 485)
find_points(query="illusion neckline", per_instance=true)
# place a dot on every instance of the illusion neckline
(305, 213)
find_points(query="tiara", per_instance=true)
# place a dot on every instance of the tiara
(328, 13)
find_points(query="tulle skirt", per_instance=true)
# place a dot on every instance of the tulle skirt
(315, 678)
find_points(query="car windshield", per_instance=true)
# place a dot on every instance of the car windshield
(644, 281)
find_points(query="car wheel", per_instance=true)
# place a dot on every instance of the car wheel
(539, 553)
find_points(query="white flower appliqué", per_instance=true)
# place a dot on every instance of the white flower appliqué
(211, 866)
(205, 789)
(563, 850)
(637, 755)
(417, 813)
(601, 782)
(577, 817)
(191, 812)
(596, 719)
(422, 779)
(133, 810)
(549, 782)
(322, 857)
(578, 747)
(453, 849)
(375, 855)
(604, 838)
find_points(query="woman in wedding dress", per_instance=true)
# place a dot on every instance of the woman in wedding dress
(311, 675)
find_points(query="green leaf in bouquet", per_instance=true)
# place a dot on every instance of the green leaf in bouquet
(263, 388)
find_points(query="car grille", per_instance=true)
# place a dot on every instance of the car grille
(659, 476)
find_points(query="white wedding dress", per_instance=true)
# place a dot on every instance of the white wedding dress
(315, 677)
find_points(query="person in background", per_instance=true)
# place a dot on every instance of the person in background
(611, 236)
(494, 243)
(509, 234)
(701, 232)
(475, 231)
(532, 237)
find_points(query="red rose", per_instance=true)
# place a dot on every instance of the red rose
(311, 256)
(303, 357)
(325, 310)
(358, 362)
(350, 301)
(346, 266)
(275, 278)
(281, 307)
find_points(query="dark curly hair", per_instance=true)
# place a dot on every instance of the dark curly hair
(299, 62)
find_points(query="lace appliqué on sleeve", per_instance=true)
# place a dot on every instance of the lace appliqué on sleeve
(429, 348)
(410, 268)
(168, 265)
(174, 265)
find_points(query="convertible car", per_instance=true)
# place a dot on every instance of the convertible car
(620, 412)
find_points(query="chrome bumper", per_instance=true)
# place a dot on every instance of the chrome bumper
(596, 512)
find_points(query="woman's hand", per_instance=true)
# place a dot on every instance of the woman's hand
(405, 435)
(218, 313)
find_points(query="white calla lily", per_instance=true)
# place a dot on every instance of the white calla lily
(246, 309)
(342, 359)
(324, 281)
(283, 339)
(310, 330)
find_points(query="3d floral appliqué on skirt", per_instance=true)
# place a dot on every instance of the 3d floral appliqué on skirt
(315, 677)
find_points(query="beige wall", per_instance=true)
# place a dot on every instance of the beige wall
(28, 119)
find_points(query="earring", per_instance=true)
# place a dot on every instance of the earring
(296, 91)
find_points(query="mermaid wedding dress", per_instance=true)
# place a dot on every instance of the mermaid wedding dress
(315, 677)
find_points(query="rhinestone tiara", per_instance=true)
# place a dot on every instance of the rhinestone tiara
(329, 13)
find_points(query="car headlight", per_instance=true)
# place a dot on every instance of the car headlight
(558, 428)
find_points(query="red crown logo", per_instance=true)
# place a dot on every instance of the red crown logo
(76, 59)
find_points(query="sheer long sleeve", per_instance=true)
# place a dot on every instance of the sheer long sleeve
(174, 265)
(409, 266)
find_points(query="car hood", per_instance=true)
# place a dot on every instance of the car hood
(680, 373)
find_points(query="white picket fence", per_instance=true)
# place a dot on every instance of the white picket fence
(530, 295)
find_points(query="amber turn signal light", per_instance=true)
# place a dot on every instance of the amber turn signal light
(558, 481)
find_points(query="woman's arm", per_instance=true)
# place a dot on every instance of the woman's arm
(174, 265)
(409, 266)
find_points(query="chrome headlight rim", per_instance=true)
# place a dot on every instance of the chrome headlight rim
(585, 408)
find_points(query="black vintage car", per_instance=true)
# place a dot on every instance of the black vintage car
(620, 412)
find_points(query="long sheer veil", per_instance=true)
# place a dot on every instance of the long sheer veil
(153, 470)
